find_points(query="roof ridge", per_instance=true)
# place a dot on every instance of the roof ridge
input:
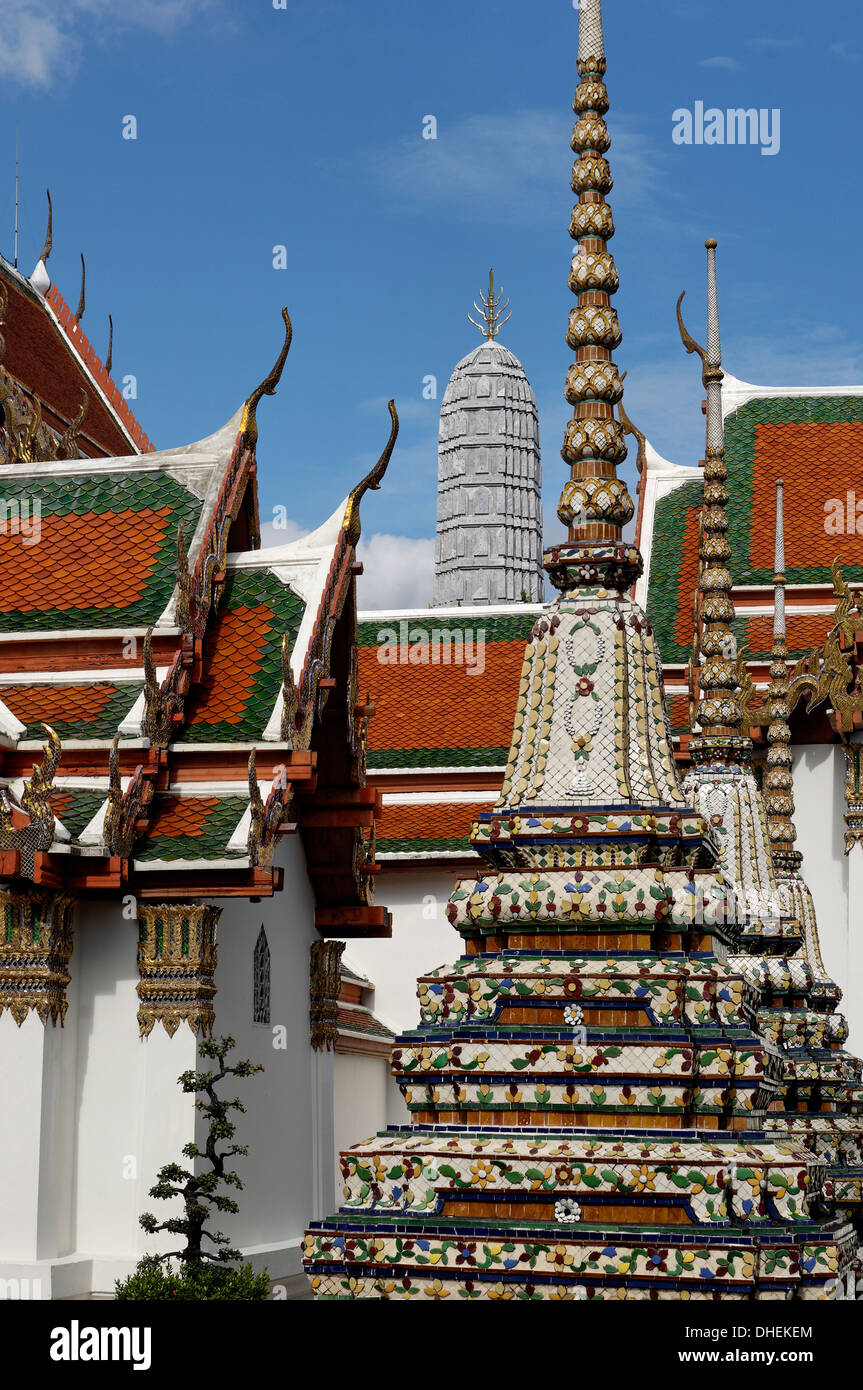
(77, 339)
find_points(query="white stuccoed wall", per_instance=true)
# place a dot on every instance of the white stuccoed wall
(130, 1116)
(288, 1173)
(97, 1109)
(367, 1099)
(819, 795)
(422, 939)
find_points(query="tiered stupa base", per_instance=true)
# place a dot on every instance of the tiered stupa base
(445, 1211)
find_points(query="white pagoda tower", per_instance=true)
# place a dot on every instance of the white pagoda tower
(489, 521)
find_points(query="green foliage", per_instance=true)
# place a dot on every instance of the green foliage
(201, 1195)
(203, 1283)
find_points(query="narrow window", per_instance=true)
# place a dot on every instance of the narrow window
(261, 986)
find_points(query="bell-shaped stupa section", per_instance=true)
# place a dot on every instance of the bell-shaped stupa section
(489, 521)
(585, 1087)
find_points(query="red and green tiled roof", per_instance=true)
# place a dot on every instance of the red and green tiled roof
(427, 827)
(76, 808)
(191, 827)
(243, 659)
(40, 358)
(355, 1020)
(815, 444)
(94, 710)
(439, 715)
(106, 555)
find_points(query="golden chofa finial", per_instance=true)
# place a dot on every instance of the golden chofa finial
(249, 424)
(493, 312)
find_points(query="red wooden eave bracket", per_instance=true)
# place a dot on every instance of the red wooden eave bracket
(353, 921)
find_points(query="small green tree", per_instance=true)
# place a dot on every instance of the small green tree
(201, 1196)
(200, 1191)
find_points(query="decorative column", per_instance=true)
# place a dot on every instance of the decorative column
(177, 957)
(35, 948)
(720, 718)
(853, 795)
(325, 986)
(594, 504)
(854, 851)
(37, 1066)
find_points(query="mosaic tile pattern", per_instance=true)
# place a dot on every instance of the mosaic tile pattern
(561, 1146)
(107, 553)
(191, 827)
(242, 673)
(73, 711)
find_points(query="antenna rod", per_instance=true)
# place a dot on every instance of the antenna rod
(15, 262)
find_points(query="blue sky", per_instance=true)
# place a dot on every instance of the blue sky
(302, 127)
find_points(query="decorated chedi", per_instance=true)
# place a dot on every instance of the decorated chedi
(823, 1102)
(585, 1087)
(778, 935)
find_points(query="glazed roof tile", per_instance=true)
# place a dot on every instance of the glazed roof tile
(191, 827)
(427, 827)
(73, 711)
(40, 355)
(815, 444)
(439, 715)
(76, 808)
(242, 673)
(106, 553)
(358, 1021)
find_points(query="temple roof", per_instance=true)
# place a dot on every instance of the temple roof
(49, 354)
(106, 534)
(436, 721)
(772, 434)
(433, 714)
(490, 359)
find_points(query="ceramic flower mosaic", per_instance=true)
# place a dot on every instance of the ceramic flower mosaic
(589, 1096)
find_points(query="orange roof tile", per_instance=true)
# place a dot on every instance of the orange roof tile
(180, 815)
(47, 703)
(805, 631)
(443, 706)
(688, 575)
(817, 462)
(89, 560)
(234, 648)
(432, 821)
(38, 356)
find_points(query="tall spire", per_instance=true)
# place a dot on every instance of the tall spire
(779, 785)
(594, 504)
(493, 312)
(719, 713)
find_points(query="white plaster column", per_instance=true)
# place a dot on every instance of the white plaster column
(323, 1134)
(36, 1080)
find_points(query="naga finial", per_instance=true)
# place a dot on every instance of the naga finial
(493, 312)
(249, 424)
(372, 481)
(82, 301)
(630, 428)
(67, 446)
(49, 234)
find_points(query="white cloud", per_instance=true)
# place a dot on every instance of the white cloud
(730, 64)
(520, 154)
(845, 52)
(41, 40)
(281, 535)
(775, 45)
(398, 572)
